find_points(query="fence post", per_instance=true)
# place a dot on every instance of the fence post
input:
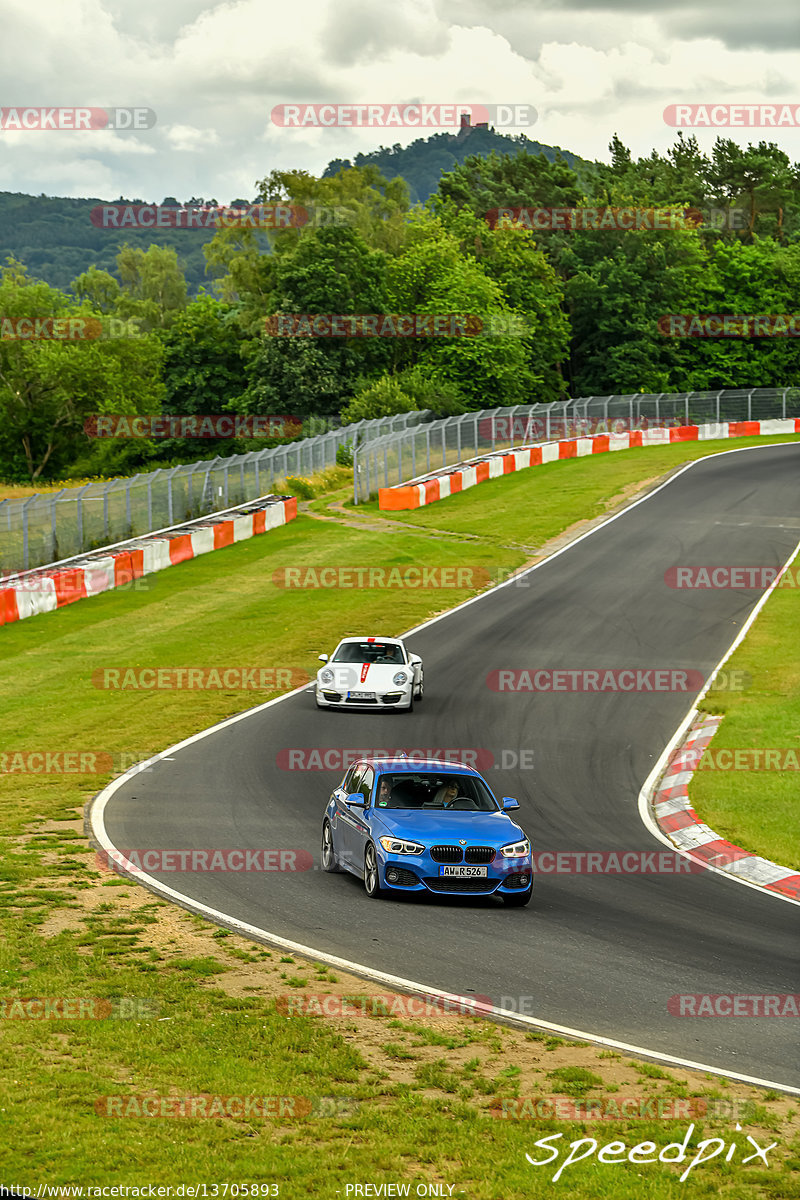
(750, 406)
(784, 405)
(149, 502)
(458, 438)
(355, 474)
(428, 447)
(105, 509)
(25, 534)
(53, 527)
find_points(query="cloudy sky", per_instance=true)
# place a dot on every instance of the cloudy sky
(213, 72)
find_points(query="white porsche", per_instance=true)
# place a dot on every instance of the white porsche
(369, 673)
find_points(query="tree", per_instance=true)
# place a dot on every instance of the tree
(48, 387)
(432, 276)
(153, 283)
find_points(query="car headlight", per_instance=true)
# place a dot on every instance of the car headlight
(517, 849)
(395, 845)
(400, 678)
(326, 676)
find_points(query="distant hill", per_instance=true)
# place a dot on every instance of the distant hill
(423, 162)
(56, 240)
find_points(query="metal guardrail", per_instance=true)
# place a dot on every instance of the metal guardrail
(408, 454)
(43, 529)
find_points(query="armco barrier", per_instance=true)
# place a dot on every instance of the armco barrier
(52, 587)
(445, 483)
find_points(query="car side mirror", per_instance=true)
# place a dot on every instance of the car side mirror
(414, 658)
(510, 802)
(323, 658)
(355, 800)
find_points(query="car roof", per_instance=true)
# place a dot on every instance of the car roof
(354, 637)
(411, 765)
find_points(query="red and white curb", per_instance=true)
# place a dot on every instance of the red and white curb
(52, 587)
(680, 823)
(427, 489)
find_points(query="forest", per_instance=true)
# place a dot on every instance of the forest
(554, 305)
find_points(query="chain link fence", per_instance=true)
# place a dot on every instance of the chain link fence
(406, 455)
(43, 529)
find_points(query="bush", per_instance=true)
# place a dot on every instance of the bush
(302, 488)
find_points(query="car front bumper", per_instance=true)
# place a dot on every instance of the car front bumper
(420, 873)
(329, 697)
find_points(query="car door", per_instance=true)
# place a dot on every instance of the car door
(360, 828)
(343, 821)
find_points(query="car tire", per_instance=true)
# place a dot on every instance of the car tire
(372, 877)
(517, 899)
(421, 689)
(328, 854)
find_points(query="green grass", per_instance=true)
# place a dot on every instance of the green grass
(758, 810)
(223, 610)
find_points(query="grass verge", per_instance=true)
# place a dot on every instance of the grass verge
(368, 1097)
(757, 809)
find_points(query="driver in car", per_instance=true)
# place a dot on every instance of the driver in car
(385, 792)
(446, 794)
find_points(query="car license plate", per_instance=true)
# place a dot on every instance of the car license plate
(465, 872)
(360, 695)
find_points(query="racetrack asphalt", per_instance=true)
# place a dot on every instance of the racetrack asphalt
(601, 953)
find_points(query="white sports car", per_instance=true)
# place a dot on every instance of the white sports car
(368, 673)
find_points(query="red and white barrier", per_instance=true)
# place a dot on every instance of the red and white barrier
(44, 590)
(677, 819)
(447, 483)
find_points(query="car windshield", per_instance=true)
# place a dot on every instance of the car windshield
(369, 652)
(434, 791)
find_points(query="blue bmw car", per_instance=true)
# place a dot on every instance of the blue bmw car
(406, 825)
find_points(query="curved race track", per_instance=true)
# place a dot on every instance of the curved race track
(599, 953)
